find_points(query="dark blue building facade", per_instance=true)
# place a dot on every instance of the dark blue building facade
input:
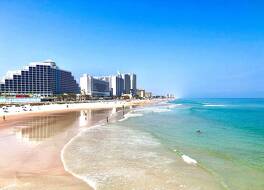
(40, 78)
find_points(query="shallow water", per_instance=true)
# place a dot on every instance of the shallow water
(225, 136)
(118, 156)
(187, 144)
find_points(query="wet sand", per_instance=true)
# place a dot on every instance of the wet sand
(31, 146)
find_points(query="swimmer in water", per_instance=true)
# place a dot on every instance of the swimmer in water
(199, 131)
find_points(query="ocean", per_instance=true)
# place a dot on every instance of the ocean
(183, 144)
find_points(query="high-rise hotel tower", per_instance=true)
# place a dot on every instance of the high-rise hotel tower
(133, 86)
(39, 78)
(127, 83)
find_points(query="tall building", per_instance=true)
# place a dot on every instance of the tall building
(39, 78)
(122, 84)
(133, 80)
(127, 83)
(109, 80)
(94, 86)
(116, 84)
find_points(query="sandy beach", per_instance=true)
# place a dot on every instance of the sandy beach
(31, 142)
(17, 111)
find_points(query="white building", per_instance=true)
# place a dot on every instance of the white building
(116, 84)
(93, 86)
(121, 84)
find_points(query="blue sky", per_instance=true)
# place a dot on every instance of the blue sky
(190, 48)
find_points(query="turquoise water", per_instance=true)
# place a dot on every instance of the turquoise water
(197, 144)
(225, 137)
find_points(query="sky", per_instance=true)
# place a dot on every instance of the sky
(190, 48)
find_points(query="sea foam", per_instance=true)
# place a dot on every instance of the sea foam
(121, 162)
(129, 115)
(189, 160)
(89, 181)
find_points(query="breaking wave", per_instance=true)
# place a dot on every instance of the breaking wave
(129, 115)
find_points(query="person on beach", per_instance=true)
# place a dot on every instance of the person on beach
(4, 118)
(107, 119)
(123, 110)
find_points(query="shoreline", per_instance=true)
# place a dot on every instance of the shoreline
(72, 151)
(56, 171)
(97, 124)
(53, 108)
(90, 184)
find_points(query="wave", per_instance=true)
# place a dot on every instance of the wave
(171, 106)
(189, 160)
(152, 110)
(155, 109)
(117, 157)
(129, 115)
(94, 163)
(89, 181)
(186, 158)
(161, 110)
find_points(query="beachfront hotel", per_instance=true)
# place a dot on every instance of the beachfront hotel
(127, 83)
(133, 80)
(116, 84)
(121, 84)
(39, 79)
(94, 87)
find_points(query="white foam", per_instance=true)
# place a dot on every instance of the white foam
(133, 115)
(123, 119)
(154, 110)
(129, 115)
(165, 107)
(89, 181)
(174, 105)
(189, 160)
(161, 110)
(139, 147)
(125, 159)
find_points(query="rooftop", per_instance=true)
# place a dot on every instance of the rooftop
(9, 75)
(47, 62)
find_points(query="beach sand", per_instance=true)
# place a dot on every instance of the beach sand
(31, 144)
